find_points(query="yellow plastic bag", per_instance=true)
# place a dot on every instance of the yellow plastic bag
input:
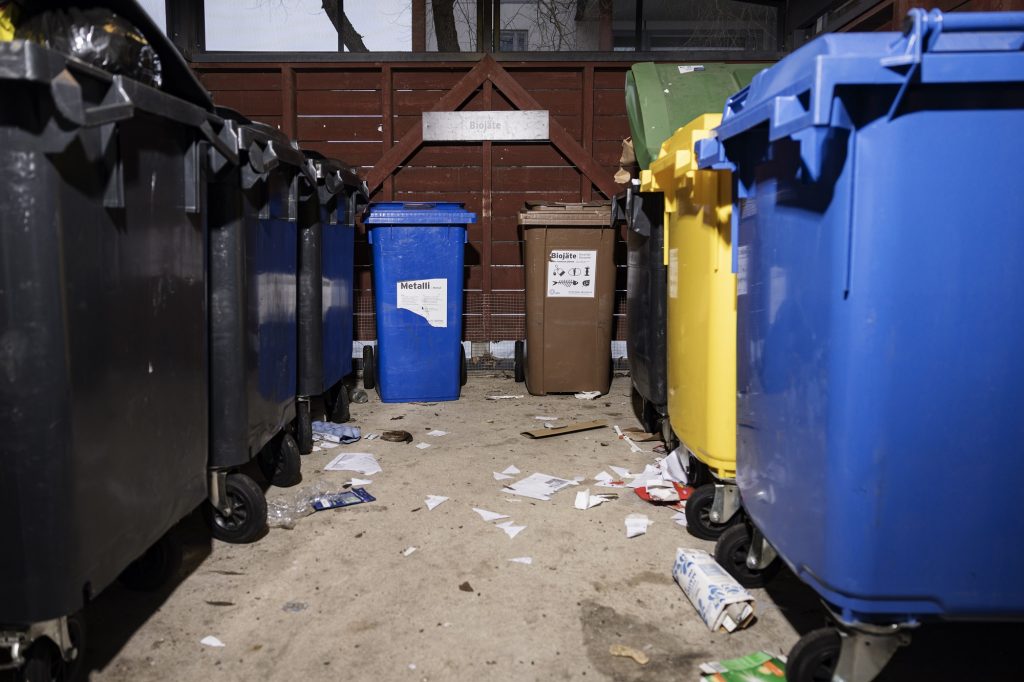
(8, 16)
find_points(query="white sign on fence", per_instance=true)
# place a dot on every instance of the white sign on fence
(455, 126)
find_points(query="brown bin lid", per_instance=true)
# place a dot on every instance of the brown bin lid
(566, 214)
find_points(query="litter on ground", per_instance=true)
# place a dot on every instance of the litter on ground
(361, 462)
(539, 486)
(723, 604)
(489, 515)
(636, 524)
(433, 501)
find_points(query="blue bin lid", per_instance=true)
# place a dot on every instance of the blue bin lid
(798, 92)
(418, 213)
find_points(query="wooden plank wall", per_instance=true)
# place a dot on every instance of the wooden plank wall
(354, 111)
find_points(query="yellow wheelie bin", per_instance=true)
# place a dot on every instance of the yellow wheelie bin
(701, 335)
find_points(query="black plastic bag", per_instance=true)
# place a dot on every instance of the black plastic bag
(95, 36)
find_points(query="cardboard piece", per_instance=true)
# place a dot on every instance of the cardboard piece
(723, 604)
(571, 428)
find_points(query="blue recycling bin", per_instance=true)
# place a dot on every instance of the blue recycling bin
(418, 256)
(880, 219)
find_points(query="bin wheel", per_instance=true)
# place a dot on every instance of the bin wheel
(698, 514)
(369, 368)
(303, 426)
(814, 657)
(731, 552)
(248, 517)
(281, 462)
(645, 413)
(155, 568)
(336, 401)
(463, 376)
(519, 366)
(43, 661)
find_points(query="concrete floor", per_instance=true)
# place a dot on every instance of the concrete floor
(335, 596)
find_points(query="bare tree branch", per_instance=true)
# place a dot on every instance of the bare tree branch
(349, 36)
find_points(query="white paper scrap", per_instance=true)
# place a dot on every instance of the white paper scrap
(585, 500)
(522, 560)
(674, 468)
(327, 445)
(680, 518)
(317, 448)
(422, 446)
(409, 550)
(434, 500)
(363, 462)
(511, 469)
(579, 478)
(650, 473)
(210, 640)
(603, 476)
(588, 395)
(489, 515)
(510, 529)
(360, 481)
(539, 486)
(501, 477)
(546, 419)
(662, 491)
(623, 473)
(504, 397)
(437, 432)
(636, 524)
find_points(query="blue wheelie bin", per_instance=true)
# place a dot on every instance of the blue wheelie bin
(879, 327)
(418, 255)
(327, 211)
(253, 266)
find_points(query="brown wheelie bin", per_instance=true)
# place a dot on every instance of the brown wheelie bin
(570, 295)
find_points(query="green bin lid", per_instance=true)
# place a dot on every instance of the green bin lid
(661, 98)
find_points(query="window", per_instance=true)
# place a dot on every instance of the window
(515, 41)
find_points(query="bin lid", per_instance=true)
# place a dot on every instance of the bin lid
(662, 97)
(418, 213)
(797, 93)
(335, 175)
(566, 214)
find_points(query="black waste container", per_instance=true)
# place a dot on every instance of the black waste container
(253, 216)
(103, 346)
(646, 304)
(327, 211)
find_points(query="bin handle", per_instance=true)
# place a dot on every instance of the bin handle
(922, 29)
(67, 97)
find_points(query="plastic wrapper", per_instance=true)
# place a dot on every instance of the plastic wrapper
(285, 511)
(96, 36)
(723, 604)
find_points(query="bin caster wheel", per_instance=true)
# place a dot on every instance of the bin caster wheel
(154, 568)
(645, 413)
(369, 368)
(814, 657)
(698, 514)
(281, 462)
(43, 661)
(519, 366)
(248, 517)
(303, 427)
(336, 402)
(731, 552)
(463, 376)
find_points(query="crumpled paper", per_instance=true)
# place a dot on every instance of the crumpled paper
(723, 604)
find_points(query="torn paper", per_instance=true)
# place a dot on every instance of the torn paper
(409, 550)
(210, 640)
(722, 603)
(674, 466)
(511, 469)
(588, 395)
(363, 462)
(585, 500)
(623, 473)
(510, 529)
(360, 481)
(433, 501)
(539, 486)
(680, 518)
(489, 515)
(636, 524)
(504, 397)
(422, 446)
(501, 477)
(522, 560)
(650, 473)
(546, 419)
(437, 432)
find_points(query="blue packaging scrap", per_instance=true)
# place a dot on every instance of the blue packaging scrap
(343, 499)
(339, 433)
